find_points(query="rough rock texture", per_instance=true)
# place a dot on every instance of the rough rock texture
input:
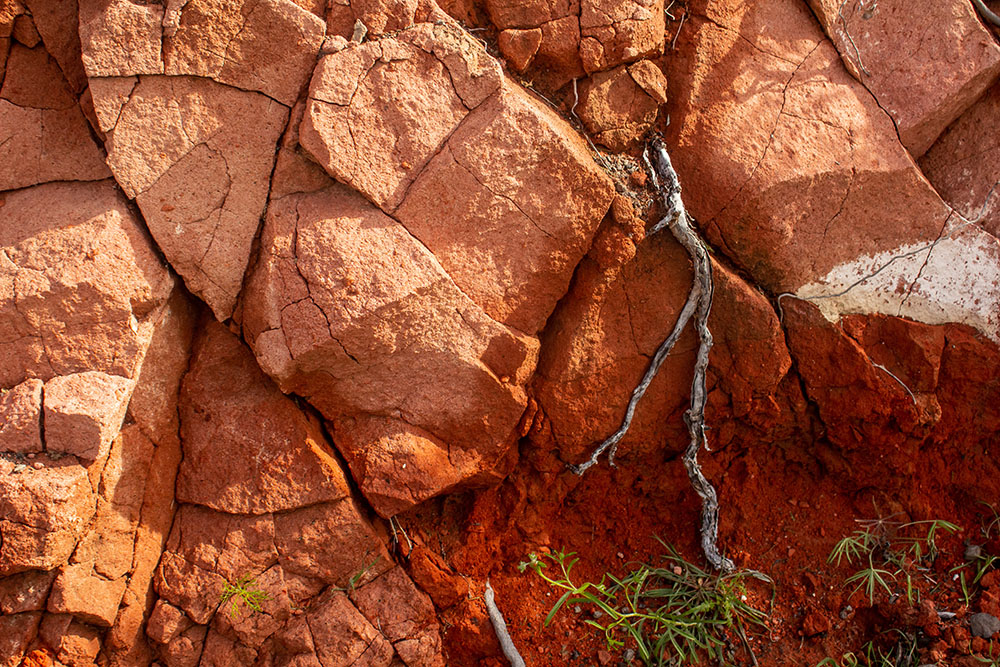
(413, 292)
(423, 385)
(964, 164)
(43, 134)
(950, 59)
(80, 283)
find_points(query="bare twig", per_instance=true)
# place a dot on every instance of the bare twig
(850, 38)
(986, 13)
(500, 628)
(893, 376)
(673, 42)
(697, 306)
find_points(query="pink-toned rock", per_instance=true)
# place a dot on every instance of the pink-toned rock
(650, 78)
(43, 512)
(43, 134)
(342, 636)
(20, 418)
(196, 155)
(613, 32)
(16, 633)
(84, 411)
(404, 615)
(80, 591)
(185, 650)
(56, 21)
(348, 310)
(379, 111)
(26, 591)
(615, 109)
(520, 46)
(294, 170)
(964, 164)
(757, 150)
(330, 542)
(166, 622)
(924, 63)
(121, 37)
(249, 451)
(509, 206)
(80, 283)
(529, 13)
(380, 16)
(269, 46)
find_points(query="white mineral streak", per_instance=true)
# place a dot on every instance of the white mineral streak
(959, 281)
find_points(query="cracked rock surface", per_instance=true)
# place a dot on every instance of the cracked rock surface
(306, 305)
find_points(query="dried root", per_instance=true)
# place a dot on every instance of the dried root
(697, 306)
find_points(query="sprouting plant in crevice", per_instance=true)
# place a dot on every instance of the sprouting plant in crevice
(902, 653)
(244, 589)
(670, 614)
(889, 551)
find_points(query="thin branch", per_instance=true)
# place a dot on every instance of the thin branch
(893, 376)
(698, 306)
(847, 33)
(500, 628)
(986, 13)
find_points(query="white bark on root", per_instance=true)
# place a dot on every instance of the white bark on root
(500, 628)
(697, 306)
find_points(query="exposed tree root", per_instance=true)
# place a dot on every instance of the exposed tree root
(500, 628)
(986, 13)
(698, 306)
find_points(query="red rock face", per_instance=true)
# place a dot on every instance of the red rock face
(306, 306)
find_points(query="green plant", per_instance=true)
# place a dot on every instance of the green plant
(245, 589)
(889, 550)
(356, 577)
(903, 653)
(671, 614)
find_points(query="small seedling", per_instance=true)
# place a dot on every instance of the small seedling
(890, 550)
(245, 589)
(902, 654)
(670, 614)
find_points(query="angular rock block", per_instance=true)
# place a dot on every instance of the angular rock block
(84, 412)
(43, 512)
(20, 418)
(348, 310)
(613, 32)
(925, 64)
(80, 591)
(196, 155)
(80, 283)
(250, 451)
(43, 134)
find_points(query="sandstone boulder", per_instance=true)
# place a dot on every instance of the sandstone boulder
(196, 155)
(333, 270)
(120, 37)
(925, 64)
(16, 633)
(57, 21)
(613, 32)
(615, 108)
(83, 413)
(80, 591)
(43, 512)
(26, 591)
(20, 418)
(379, 111)
(80, 283)
(248, 450)
(43, 134)
(964, 164)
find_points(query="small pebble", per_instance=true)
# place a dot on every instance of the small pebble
(577, 609)
(620, 555)
(31, 455)
(37, 465)
(846, 612)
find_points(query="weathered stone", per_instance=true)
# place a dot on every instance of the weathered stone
(16, 633)
(330, 542)
(949, 60)
(80, 591)
(334, 271)
(43, 134)
(509, 206)
(520, 46)
(615, 109)
(20, 418)
(249, 627)
(75, 644)
(378, 112)
(250, 451)
(80, 283)
(984, 625)
(166, 622)
(43, 511)
(269, 46)
(964, 164)
(84, 411)
(26, 591)
(404, 615)
(613, 32)
(120, 37)
(650, 78)
(56, 21)
(529, 13)
(196, 155)
(341, 635)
